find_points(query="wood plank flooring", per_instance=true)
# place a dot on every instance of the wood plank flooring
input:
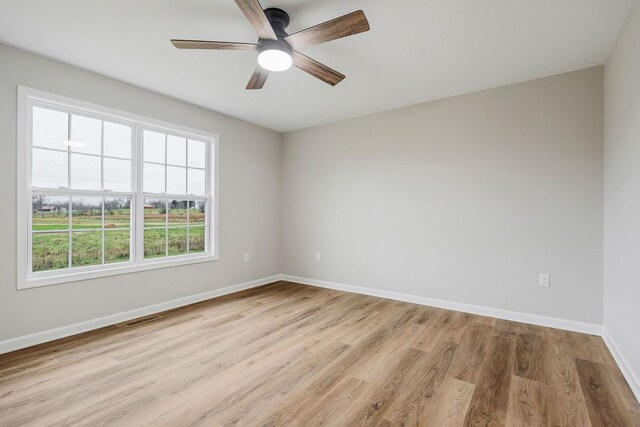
(292, 355)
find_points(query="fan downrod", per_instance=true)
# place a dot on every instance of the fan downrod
(279, 20)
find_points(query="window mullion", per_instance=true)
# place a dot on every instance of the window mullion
(69, 218)
(28, 186)
(68, 152)
(102, 230)
(138, 229)
(166, 201)
(82, 193)
(165, 162)
(70, 230)
(189, 222)
(102, 187)
(207, 192)
(186, 168)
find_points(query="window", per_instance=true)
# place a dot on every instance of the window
(103, 192)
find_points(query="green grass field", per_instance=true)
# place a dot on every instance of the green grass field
(51, 250)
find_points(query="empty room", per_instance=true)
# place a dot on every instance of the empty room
(305, 213)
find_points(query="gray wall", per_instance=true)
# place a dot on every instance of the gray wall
(249, 202)
(622, 194)
(465, 199)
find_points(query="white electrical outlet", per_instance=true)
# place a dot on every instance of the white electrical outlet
(317, 256)
(544, 280)
(246, 257)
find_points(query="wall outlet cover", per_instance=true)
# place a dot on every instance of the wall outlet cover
(544, 280)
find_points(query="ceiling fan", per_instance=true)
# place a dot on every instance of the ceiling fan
(277, 50)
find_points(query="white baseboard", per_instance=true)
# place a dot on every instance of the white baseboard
(629, 374)
(570, 325)
(76, 328)
(533, 319)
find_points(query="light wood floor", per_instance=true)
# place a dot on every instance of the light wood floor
(294, 355)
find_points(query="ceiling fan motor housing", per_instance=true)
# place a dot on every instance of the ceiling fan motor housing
(265, 44)
(279, 20)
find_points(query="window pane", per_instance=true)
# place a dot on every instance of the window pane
(153, 181)
(197, 154)
(117, 140)
(176, 150)
(86, 212)
(153, 146)
(50, 212)
(87, 161)
(196, 182)
(50, 128)
(177, 241)
(49, 169)
(117, 175)
(50, 251)
(116, 246)
(155, 243)
(86, 135)
(86, 248)
(196, 239)
(197, 212)
(155, 213)
(176, 180)
(117, 212)
(178, 212)
(85, 172)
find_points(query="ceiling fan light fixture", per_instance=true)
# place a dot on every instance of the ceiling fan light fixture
(275, 60)
(278, 50)
(274, 56)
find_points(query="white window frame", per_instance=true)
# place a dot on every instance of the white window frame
(27, 97)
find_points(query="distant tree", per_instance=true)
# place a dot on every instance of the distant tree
(124, 203)
(119, 203)
(180, 204)
(38, 202)
(111, 204)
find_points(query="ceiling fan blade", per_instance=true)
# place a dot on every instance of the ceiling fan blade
(344, 26)
(258, 20)
(206, 44)
(316, 69)
(258, 78)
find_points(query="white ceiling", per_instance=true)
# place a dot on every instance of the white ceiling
(416, 51)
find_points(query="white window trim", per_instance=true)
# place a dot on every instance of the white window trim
(25, 279)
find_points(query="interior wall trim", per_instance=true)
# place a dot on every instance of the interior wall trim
(533, 319)
(24, 341)
(629, 374)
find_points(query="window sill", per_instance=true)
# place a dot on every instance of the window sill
(36, 282)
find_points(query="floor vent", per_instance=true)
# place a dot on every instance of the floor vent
(140, 321)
